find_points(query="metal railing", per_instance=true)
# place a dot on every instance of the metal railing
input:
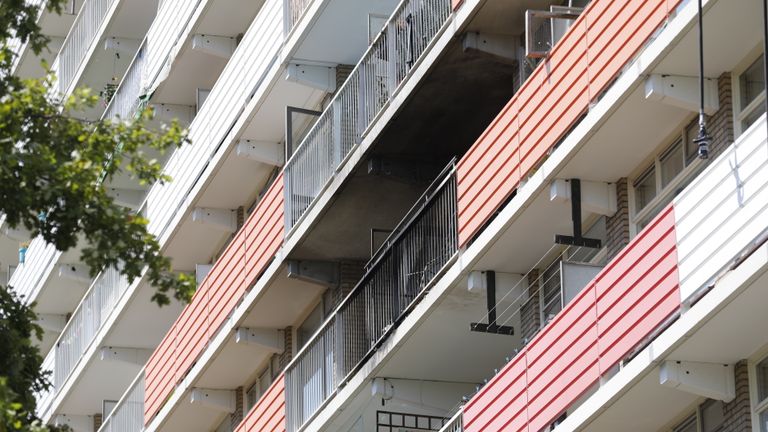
(80, 39)
(81, 329)
(362, 97)
(456, 424)
(126, 99)
(294, 9)
(128, 414)
(45, 397)
(415, 253)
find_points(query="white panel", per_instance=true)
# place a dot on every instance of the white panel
(723, 210)
(165, 34)
(249, 64)
(28, 277)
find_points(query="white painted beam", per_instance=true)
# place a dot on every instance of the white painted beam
(131, 198)
(75, 272)
(269, 339)
(121, 45)
(712, 380)
(220, 400)
(76, 422)
(682, 92)
(497, 45)
(269, 153)
(137, 356)
(220, 219)
(169, 112)
(219, 46)
(51, 322)
(596, 197)
(319, 77)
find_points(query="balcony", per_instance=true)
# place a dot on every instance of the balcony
(413, 255)
(127, 414)
(56, 27)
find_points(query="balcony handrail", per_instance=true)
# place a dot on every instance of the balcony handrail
(360, 100)
(134, 72)
(392, 280)
(80, 39)
(125, 414)
(102, 296)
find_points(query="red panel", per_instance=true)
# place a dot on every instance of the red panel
(456, 3)
(596, 48)
(638, 291)
(622, 306)
(235, 271)
(269, 412)
(501, 405)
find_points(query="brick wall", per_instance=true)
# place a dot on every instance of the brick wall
(287, 354)
(737, 413)
(530, 316)
(97, 421)
(617, 226)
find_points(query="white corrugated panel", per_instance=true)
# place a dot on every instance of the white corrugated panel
(723, 210)
(28, 277)
(242, 75)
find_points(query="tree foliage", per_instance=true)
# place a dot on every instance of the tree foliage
(54, 165)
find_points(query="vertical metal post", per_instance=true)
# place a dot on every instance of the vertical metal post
(490, 296)
(576, 207)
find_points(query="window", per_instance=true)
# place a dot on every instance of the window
(761, 406)
(707, 418)
(750, 95)
(670, 171)
(261, 386)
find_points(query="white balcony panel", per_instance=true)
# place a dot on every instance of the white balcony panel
(125, 101)
(711, 232)
(93, 15)
(164, 36)
(28, 277)
(243, 74)
(45, 397)
(128, 414)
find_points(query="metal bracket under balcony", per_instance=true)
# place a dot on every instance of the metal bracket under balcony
(121, 45)
(75, 272)
(269, 153)
(492, 326)
(219, 46)
(76, 422)
(137, 356)
(498, 46)
(219, 400)
(131, 198)
(682, 92)
(219, 219)
(270, 339)
(320, 77)
(51, 322)
(577, 239)
(711, 380)
(324, 273)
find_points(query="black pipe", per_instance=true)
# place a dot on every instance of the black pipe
(703, 140)
(765, 51)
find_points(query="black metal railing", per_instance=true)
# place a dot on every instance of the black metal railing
(396, 277)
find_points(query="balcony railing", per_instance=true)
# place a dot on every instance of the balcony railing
(395, 279)
(126, 99)
(80, 39)
(376, 78)
(40, 257)
(44, 398)
(455, 424)
(95, 308)
(128, 414)
(294, 9)
(166, 33)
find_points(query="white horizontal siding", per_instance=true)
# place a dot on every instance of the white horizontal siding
(244, 71)
(723, 210)
(165, 33)
(28, 278)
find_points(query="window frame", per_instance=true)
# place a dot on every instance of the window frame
(664, 193)
(758, 407)
(740, 114)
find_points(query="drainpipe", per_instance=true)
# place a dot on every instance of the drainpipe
(703, 140)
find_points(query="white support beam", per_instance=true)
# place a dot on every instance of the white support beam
(220, 400)
(712, 380)
(270, 339)
(76, 422)
(131, 198)
(682, 92)
(219, 46)
(596, 197)
(315, 76)
(201, 271)
(121, 45)
(269, 153)
(137, 356)
(53, 323)
(19, 233)
(75, 272)
(169, 112)
(220, 219)
(503, 47)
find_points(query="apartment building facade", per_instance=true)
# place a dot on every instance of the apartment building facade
(422, 215)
